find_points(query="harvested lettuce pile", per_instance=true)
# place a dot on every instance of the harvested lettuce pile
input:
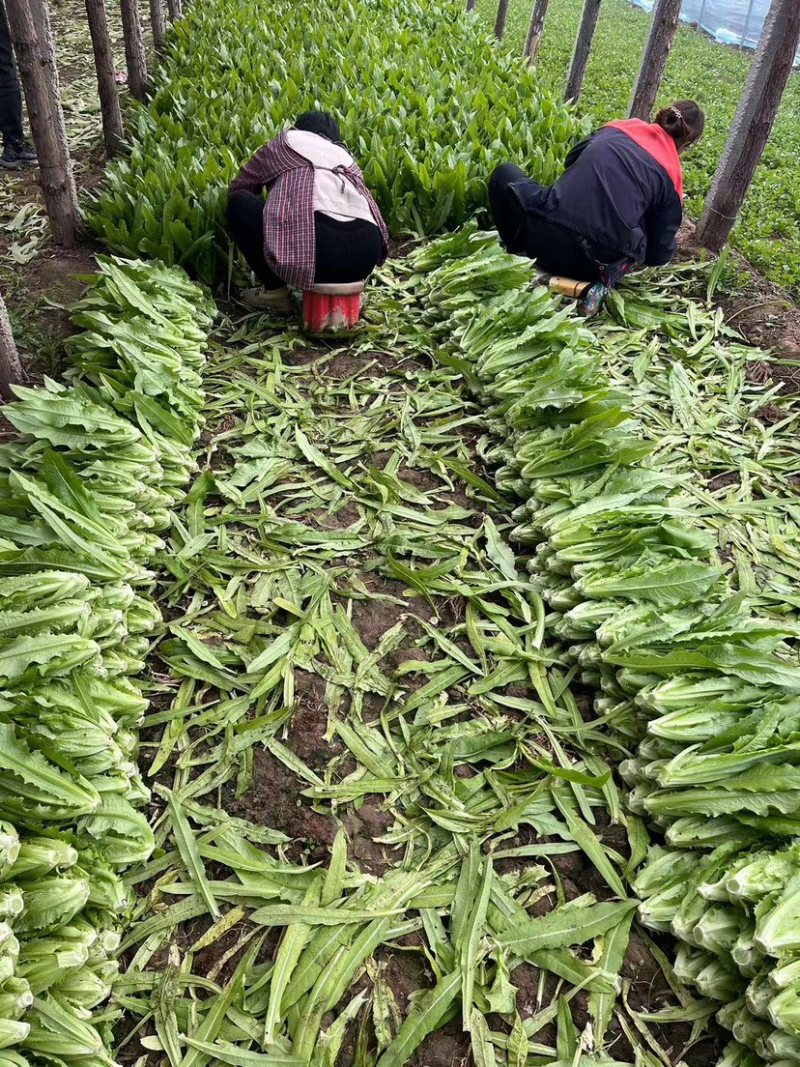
(86, 491)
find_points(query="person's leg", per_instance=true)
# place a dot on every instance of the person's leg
(345, 251)
(245, 217)
(558, 250)
(16, 153)
(10, 96)
(505, 208)
(612, 274)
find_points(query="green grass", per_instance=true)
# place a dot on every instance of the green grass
(767, 231)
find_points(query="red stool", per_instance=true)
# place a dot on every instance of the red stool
(332, 308)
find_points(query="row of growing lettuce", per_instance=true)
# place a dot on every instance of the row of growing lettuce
(697, 679)
(85, 490)
(425, 100)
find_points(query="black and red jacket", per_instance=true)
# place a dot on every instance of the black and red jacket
(622, 189)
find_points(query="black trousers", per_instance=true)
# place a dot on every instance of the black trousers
(555, 248)
(10, 95)
(345, 251)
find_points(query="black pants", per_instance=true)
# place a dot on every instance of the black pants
(10, 96)
(345, 251)
(555, 248)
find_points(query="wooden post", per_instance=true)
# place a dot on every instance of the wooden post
(157, 22)
(113, 133)
(500, 21)
(470, 5)
(29, 23)
(134, 48)
(755, 116)
(535, 30)
(583, 46)
(175, 9)
(10, 367)
(654, 58)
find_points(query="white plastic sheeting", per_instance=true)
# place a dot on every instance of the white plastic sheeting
(734, 22)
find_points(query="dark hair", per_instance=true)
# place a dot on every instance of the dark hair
(683, 121)
(319, 122)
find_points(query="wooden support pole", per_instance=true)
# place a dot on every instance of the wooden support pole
(157, 21)
(535, 30)
(113, 133)
(470, 5)
(29, 23)
(753, 122)
(10, 367)
(134, 48)
(583, 46)
(500, 21)
(654, 58)
(175, 9)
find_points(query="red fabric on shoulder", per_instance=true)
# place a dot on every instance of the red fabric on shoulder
(657, 143)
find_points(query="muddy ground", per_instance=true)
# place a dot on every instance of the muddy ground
(275, 799)
(761, 311)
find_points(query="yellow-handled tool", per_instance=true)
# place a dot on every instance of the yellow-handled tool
(567, 286)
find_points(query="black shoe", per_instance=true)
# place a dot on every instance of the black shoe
(18, 156)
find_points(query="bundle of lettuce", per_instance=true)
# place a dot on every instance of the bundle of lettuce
(86, 489)
(696, 675)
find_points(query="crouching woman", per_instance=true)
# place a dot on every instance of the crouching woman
(319, 223)
(618, 204)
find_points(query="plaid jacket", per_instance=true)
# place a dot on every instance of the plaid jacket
(289, 246)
